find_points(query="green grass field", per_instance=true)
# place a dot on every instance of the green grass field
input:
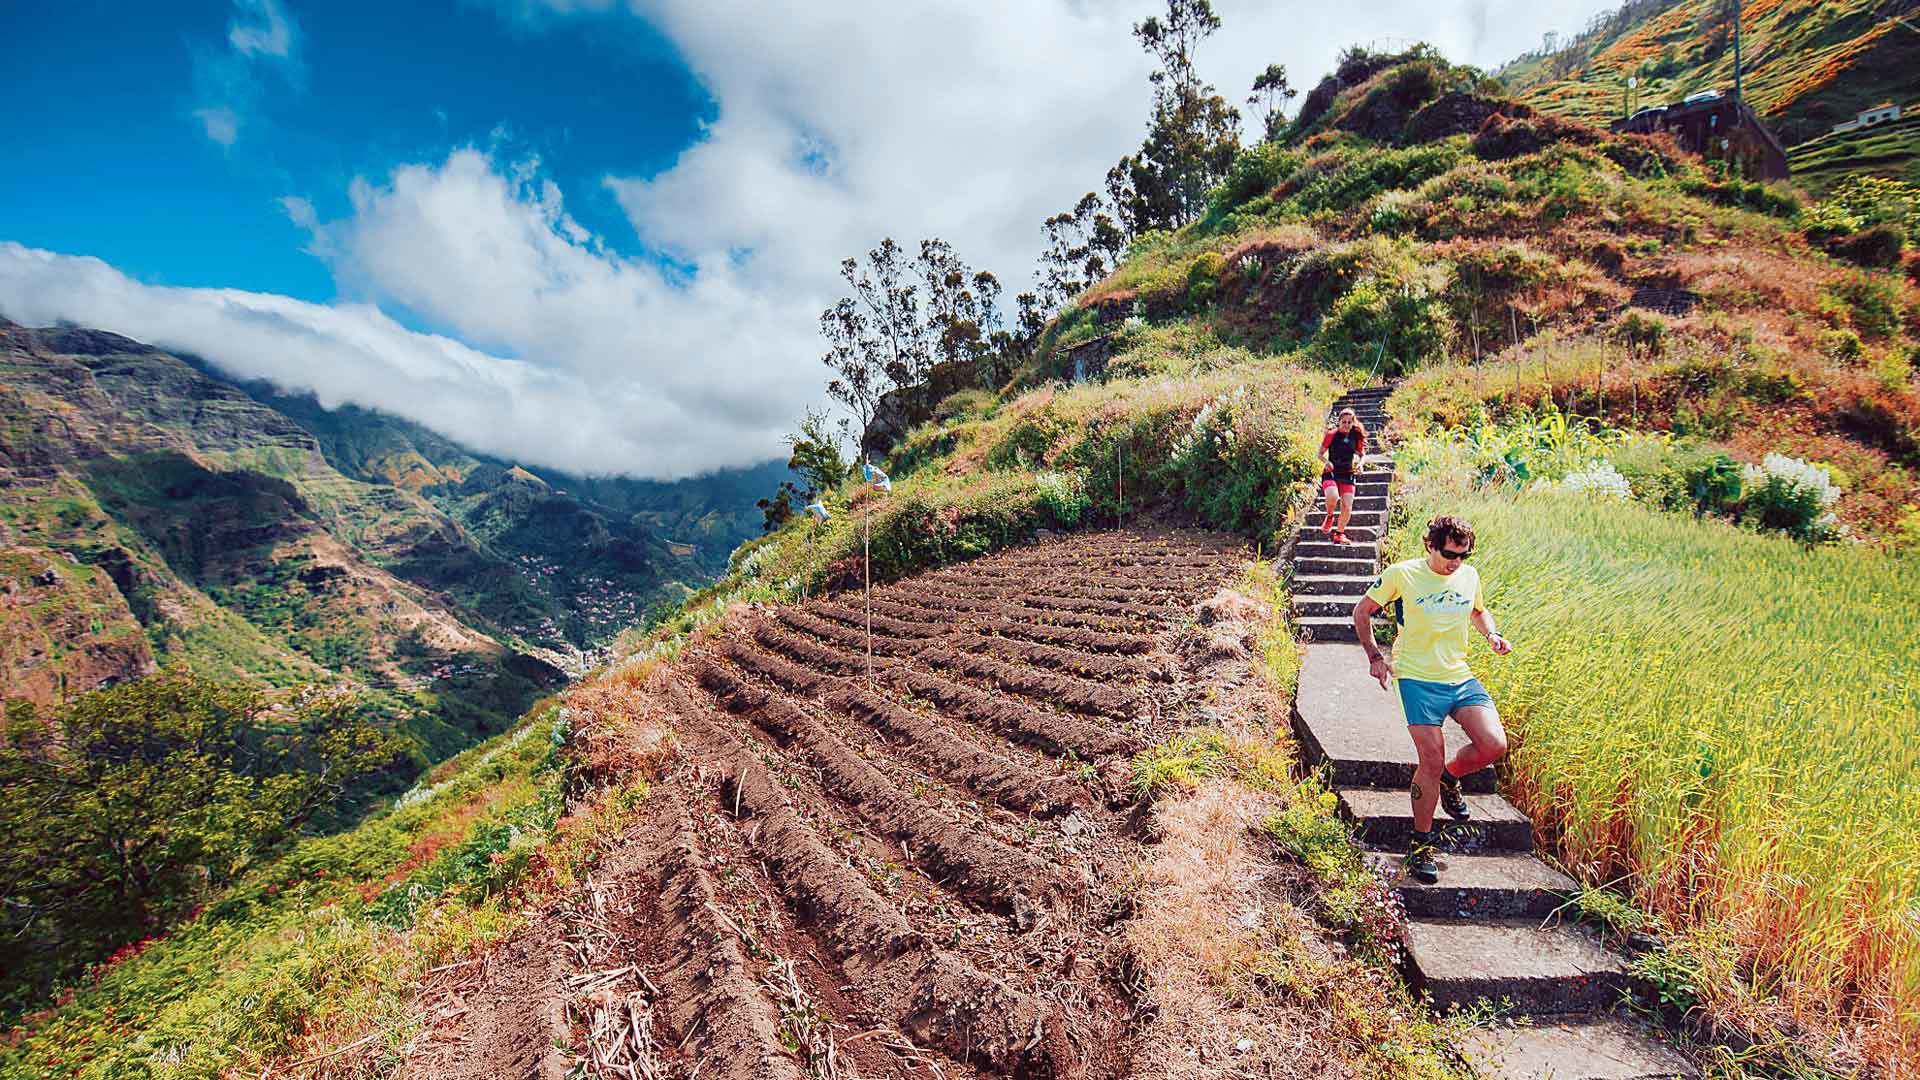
(1727, 725)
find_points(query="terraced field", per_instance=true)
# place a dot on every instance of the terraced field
(909, 862)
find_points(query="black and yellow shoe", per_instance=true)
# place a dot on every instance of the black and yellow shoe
(1452, 799)
(1420, 864)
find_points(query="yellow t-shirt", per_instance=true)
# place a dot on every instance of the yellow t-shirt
(1433, 612)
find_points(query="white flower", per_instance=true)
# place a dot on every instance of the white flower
(1796, 475)
(1600, 480)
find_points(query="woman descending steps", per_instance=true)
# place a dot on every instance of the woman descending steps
(1343, 448)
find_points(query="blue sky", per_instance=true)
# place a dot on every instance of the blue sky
(595, 235)
(111, 90)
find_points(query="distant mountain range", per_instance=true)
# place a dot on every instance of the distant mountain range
(154, 511)
(1806, 66)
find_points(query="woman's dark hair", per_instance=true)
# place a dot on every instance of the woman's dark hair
(1448, 529)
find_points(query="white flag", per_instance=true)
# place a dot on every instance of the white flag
(876, 477)
(819, 511)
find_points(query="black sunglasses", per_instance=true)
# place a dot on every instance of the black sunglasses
(1445, 554)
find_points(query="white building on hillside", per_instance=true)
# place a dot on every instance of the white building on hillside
(1885, 112)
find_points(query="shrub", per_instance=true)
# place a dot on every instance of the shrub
(1642, 332)
(1203, 277)
(1871, 301)
(1788, 495)
(1064, 495)
(1256, 171)
(1878, 247)
(1843, 346)
(1406, 324)
(1240, 462)
(1906, 531)
(1743, 195)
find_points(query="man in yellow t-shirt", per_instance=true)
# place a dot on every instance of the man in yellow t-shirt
(1434, 599)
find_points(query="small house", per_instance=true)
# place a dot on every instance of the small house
(1884, 113)
(1879, 114)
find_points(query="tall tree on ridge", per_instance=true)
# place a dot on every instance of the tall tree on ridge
(1271, 92)
(1192, 137)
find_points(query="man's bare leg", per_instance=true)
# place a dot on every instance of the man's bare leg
(1432, 748)
(1489, 740)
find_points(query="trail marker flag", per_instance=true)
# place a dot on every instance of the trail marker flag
(876, 477)
(819, 512)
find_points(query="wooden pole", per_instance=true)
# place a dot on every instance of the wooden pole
(866, 547)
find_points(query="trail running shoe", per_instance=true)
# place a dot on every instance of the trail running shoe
(1452, 799)
(1340, 537)
(1420, 864)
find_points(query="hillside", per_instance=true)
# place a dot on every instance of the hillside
(1806, 67)
(156, 514)
(1050, 817)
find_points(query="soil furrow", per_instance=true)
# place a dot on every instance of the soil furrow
(737, 1025)
(972, 864)
(1008, 783)
(1078, 637)
(892, 618)
(821, 656)
(1079, 695)
(937, 999)
(1080, 662)
(1058, 733)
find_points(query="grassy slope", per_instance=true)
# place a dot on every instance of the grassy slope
(327, 943)
(1806, 65)
(1252, 317)
(1725, 725)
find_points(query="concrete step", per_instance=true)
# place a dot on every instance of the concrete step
(1318, 585)
(1343, 717)
(1326, 606)
(1359, 519)
(1326, 628)
(1350, 567)
(1502, 885)
(1323, 549)
(1385, 820)
(1609, 1048)
(1314, 533)
(1557, 970)
(1377, 461)
(1369, 502)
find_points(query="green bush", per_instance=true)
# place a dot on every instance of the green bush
(1744, 195)
(1064, 495)
(1877, 247)
(1256, 171)
(1346, 179)
(1203, 277)
(1240, 463)
(1405, 324)
(1872, 303)
(1642, 332)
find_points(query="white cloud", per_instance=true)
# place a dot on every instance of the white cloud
(260, 27)
(355, 353)
(220, 123)
(835, 127)
(227, 81)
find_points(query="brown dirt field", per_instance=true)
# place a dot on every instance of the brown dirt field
(917, 866)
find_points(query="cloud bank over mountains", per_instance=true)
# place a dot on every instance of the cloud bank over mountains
(697, 347)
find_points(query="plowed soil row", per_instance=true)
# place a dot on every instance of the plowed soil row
(914, 866)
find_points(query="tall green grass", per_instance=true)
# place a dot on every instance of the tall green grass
(1729, 724)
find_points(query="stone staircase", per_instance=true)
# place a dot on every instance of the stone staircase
(1486, 931)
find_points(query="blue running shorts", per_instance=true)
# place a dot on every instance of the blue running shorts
(1428, 704)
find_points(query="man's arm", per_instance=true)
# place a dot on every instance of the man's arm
(1483, 621)
(1378, 665)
